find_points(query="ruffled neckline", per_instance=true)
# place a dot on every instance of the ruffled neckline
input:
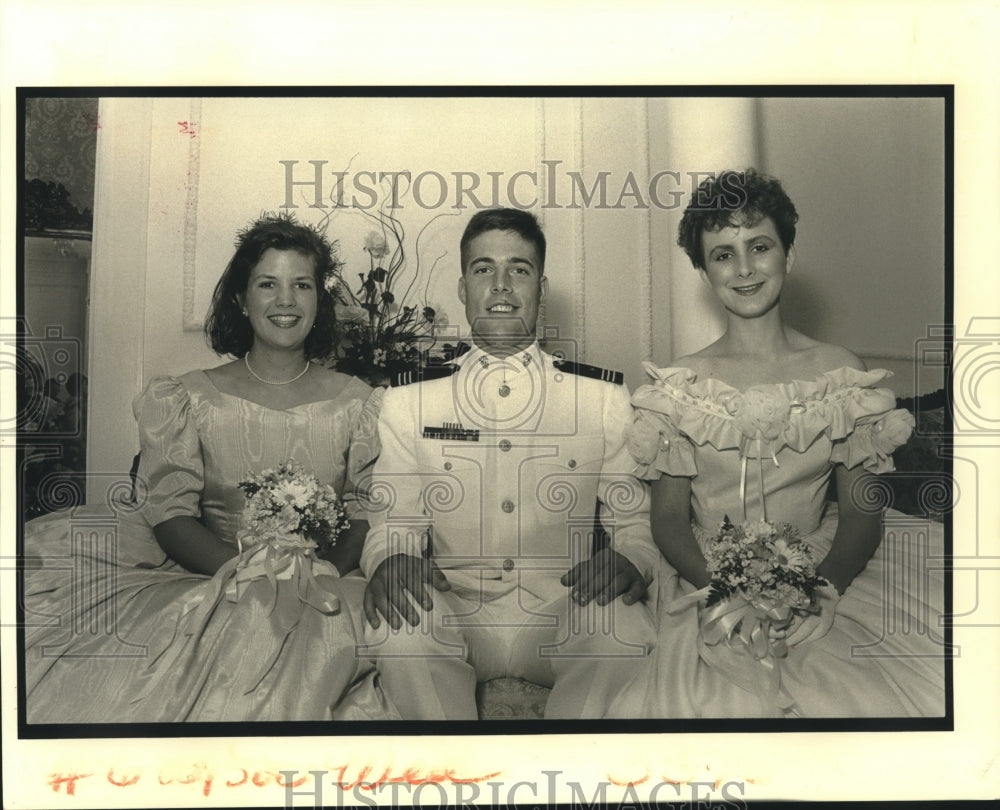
(769, 415)
(710, 387)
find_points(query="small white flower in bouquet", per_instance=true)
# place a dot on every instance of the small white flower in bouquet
(289, 516)
(288, 507)
(762, 576)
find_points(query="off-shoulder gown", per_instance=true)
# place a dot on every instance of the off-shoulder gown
(118, 632)
(770, 451)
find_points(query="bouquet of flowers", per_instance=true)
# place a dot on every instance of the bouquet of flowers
(287, 508)
(762, 576)
(288, 516)
(382, 331)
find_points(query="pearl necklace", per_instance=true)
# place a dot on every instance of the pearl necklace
(246, 361)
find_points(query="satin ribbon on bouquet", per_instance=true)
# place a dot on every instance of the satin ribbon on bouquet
(288, 557)
(735, 625)
(739, 623)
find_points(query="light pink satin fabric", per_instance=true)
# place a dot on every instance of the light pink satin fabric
(141, 639)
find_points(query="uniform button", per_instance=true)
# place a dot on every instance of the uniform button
(572, 463)
(508, 565)
(504, 445)
(447, 465)
(507, 506)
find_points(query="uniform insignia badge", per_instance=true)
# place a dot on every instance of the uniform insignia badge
(423, 375)
(452, 431)
(593, 372)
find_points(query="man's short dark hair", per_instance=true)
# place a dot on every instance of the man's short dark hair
(523, 223)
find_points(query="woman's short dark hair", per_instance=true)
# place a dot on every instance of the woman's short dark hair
(520, 222)
(227, 329)
(735, 198)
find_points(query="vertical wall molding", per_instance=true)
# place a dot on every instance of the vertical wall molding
(703, 135)
(116, 326)
(541, 152)
(561, 125)
(580, 257)
(645, 241)
(191, 321)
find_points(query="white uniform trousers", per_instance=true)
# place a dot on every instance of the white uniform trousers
(587, 655)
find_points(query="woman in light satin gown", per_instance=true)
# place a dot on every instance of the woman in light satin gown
(168, 619)
(755, 426)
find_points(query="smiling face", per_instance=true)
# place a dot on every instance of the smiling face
(746, 267)
(281, 299)
(502, 285)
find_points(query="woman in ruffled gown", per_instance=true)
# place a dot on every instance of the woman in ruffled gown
(182, 617)
(753, 427)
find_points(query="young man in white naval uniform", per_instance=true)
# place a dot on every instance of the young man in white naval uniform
(480, 557)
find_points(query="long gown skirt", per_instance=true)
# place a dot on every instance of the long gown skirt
(114, 638)
(884, 656)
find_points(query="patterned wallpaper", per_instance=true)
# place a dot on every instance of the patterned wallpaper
(60, 145)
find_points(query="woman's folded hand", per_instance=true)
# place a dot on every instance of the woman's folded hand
(813, 626)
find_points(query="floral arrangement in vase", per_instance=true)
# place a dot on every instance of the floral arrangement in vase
(385, 330)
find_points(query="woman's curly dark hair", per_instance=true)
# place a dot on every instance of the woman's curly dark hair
(227, 329)
(735, 198)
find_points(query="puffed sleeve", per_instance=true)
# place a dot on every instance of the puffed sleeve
(362, 453)
(657, 446)
(624, 501)
(170, 462)
(874, 439)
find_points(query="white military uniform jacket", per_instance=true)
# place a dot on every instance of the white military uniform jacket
(500, 464)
